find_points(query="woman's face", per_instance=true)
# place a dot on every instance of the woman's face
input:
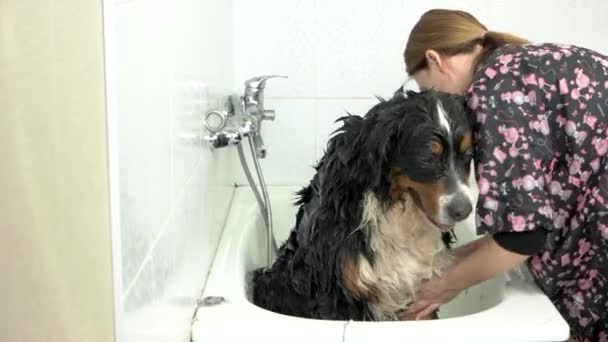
(451, 74)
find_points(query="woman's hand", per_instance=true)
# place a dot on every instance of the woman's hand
(478, 264)
(430, 294)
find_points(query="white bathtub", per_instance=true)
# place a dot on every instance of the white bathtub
(506, 308)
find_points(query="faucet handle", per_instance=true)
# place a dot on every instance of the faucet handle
(260, 81)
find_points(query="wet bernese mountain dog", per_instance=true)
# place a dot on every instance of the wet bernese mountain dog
(377, 217)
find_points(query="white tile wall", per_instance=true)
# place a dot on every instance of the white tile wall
(290, 155)
(329, 110)
(278, 37)
(171, 61)
(338, 54)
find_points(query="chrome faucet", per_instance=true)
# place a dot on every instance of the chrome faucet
(241, 117)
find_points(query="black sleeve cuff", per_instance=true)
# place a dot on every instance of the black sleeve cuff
(525, 243)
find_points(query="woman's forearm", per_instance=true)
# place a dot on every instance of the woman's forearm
(483, 261)
(466, 249)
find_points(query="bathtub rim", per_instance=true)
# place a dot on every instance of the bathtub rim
(517, 291)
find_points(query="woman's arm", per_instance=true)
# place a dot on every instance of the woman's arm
(484, 261)
(464, 250)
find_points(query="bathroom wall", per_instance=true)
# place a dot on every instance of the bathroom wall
(340, 54)
(168, 61)
(55, 256)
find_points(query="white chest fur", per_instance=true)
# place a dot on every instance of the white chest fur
(407, 248)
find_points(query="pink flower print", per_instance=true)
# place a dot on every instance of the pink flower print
(565, 259)
(563, 87)
(518, 97)
(570, 128)
(503, 69)
(586, 283)
(513, 151)
(499, 155)
(580, 137)
(574, 181)
(575, 94)
(490, 204)
(491, 73)
(488, 220)
(531, 98)
(566, 194)
(557, 56)
(573, 309)
(481, 118)
(540, 125)
(506, 96)
(537, 264)
(510, 134)
(559, 220)
(590, 121)
(546, 211)
(580, 205)
(604, 231)
(530, 79)
(473, 102)
(555, 188)
(540, 181)
(517, 222)
(601, 146)
(528, 182)
(541, 82)
(484, 185)
(595, 164)
(505, 59)
(575, 167)
(583, 247)
(582, 105)
(582, 80)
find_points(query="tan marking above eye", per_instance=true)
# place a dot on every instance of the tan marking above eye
(436, 147)
(466, 142)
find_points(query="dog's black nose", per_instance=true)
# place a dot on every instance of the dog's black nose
(459, 208)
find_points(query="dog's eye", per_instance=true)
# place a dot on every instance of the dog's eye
(436, 148)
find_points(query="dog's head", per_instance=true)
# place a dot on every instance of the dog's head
(424, 146)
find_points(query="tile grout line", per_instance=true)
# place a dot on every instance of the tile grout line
(163, 229)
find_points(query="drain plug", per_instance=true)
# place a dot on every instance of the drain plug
(211, 301)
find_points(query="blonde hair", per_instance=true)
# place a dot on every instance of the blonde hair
(451, 32)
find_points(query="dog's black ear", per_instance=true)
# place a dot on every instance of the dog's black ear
(383, 139)
(399, 93)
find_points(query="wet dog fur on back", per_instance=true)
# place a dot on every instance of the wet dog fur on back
(377, 217)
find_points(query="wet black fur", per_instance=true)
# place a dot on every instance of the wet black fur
(305, 279)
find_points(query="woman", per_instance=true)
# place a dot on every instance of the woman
(541, 137)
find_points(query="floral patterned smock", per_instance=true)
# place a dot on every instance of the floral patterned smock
(541, 137)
